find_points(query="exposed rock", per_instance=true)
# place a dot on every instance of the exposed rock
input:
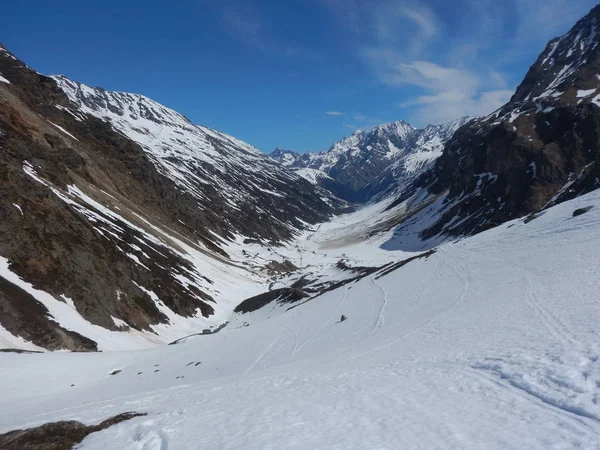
(541, 148)
(58, 435)
(582, 211)
(276, 267)
(81, 203)
(285, 295)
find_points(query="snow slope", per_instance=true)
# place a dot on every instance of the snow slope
(491, 342)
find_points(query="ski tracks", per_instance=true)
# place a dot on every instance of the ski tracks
(321, 327)
(427, 288)
(583, 423)
(460, 271)
(265, 353)
(279, 342)
(380, 316)
(555, 326)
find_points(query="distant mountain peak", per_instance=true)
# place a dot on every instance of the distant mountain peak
(538, 149)
(358, 160)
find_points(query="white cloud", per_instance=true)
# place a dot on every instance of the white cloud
(387, 21)
(334, 113)
(449, 92)
(446, 106)
(404, 22)
(436, 61)
(245, 25)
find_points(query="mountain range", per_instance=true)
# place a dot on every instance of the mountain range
(368, 163)
(105, 196)
(142, 222)
(407, 288)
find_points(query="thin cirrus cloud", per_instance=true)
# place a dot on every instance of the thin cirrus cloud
(246, 24)
(334, 113)
(449, 92)
(444, 70)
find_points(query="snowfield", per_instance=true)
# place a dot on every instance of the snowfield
(490, 342)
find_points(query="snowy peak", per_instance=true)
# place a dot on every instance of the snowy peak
(398, 128)
(291, 159)
(552, 74)
(368, 161)
(217, 169)
(539, 149)
(286, 158)
(379, 140)
(146, 119)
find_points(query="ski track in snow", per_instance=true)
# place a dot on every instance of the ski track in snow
(550, 320)
(327, 322)
(384, 301)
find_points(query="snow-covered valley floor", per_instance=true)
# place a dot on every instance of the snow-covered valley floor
(491, 342)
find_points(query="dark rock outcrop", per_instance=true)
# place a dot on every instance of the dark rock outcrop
(541, 148)
(63, 435)
(281, 296)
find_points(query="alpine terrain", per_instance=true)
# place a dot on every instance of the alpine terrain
(167, 286)
(368, 164)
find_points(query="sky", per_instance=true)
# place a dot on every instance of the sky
(297, 74)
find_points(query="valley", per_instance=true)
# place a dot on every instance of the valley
(475, 333)
(164, 285)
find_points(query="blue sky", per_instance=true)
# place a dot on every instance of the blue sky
(298, 74)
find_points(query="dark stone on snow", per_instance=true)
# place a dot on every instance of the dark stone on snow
(581, 211)
(58, 435)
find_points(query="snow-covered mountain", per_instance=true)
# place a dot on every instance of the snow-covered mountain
(373, 329)
(369, 162)
(221, 172)
(292, 159)
(541, 148)
(118, 215)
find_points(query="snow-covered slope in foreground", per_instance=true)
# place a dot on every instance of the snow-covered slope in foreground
(491, 342)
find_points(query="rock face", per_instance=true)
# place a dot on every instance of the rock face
(361, 166)
(105, 197)
(63, 435)
(541, 148)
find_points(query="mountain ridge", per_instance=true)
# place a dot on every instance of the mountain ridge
(120, 215)
(539, 149)
(366, 162)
